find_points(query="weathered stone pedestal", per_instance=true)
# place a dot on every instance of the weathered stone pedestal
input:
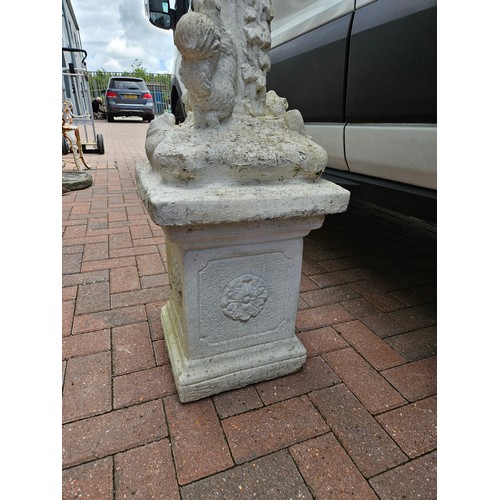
(234, 257)
(235, 187)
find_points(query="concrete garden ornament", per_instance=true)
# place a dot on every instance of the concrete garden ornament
(236, 187)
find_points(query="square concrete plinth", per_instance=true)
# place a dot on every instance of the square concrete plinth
(234, 257)
(230, 320)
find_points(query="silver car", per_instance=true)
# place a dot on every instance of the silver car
(128, 96)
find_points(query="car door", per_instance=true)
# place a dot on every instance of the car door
(391, 92)
(308, 66)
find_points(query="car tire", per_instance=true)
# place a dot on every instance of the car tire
(65, 146)
(179, 113)
(100, 144)
(111, 118)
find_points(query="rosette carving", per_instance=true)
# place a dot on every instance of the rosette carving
(244, 297)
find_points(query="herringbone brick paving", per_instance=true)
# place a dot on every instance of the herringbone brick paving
(357, 421)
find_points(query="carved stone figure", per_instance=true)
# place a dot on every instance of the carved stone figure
(208, 64)
(243, 133)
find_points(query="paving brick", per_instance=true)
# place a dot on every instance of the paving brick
(302, 304)
(95, 251)
(115, 199)
(84, 240)
(155, 280)
(415, 479)
(145, 296)
(257, 479)
(108, 319)
(136, 209)
(417, 295)
(331, 295)
(237, 401)
(413, 427)
(314, 252)
(271, 428)
(132, 348)
(86, 343)
(68, 311)
(96, 265)
(328, 470)
(321, 341)
(160, 352)
(97, 223)
(315, 374)
(87, 386)
(75, 231)
(71, 263)
(133, 251)
(415, 345)
(150, 264)
(93, 298)
(381, 323)
(347, 261)
(117, 215)
(416, 317)
(306, 284)
(310, 266)
(383, 282)
(206, 451)
(417, 278)
(91, 481)
(159, 240)
(364, 381)
(415, 380)
(71, 249)
(85, 278)
(124, 279)
(311, 319)
(383, 301)
(370, 346)
(360, 434)
(64, 363)
(80, 209)
(141, 231)
(146, 472)
(106, 231)
(153, 311)
(69, 293)
(144, 385)
(110, 433)
(336, 278)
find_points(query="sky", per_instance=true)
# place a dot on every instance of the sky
(115, 33)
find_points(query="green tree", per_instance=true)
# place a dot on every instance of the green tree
(138, 70)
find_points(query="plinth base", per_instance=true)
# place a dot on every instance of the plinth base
(199, 378)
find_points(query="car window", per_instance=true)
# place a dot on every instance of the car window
(129, 85)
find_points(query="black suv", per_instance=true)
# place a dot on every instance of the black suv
(128, 96)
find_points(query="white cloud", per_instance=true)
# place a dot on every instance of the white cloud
(120, 48)
(115, 34)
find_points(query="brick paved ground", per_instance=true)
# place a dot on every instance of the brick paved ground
(358, 421)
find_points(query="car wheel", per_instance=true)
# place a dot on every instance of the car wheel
(111, 118)
(100, 144)
(179, 113)
(65, 147)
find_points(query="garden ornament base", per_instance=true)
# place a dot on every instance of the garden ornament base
(236, 187)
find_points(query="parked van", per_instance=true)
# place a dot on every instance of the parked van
(363, 74)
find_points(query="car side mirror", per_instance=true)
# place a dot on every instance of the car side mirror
(160, 14)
